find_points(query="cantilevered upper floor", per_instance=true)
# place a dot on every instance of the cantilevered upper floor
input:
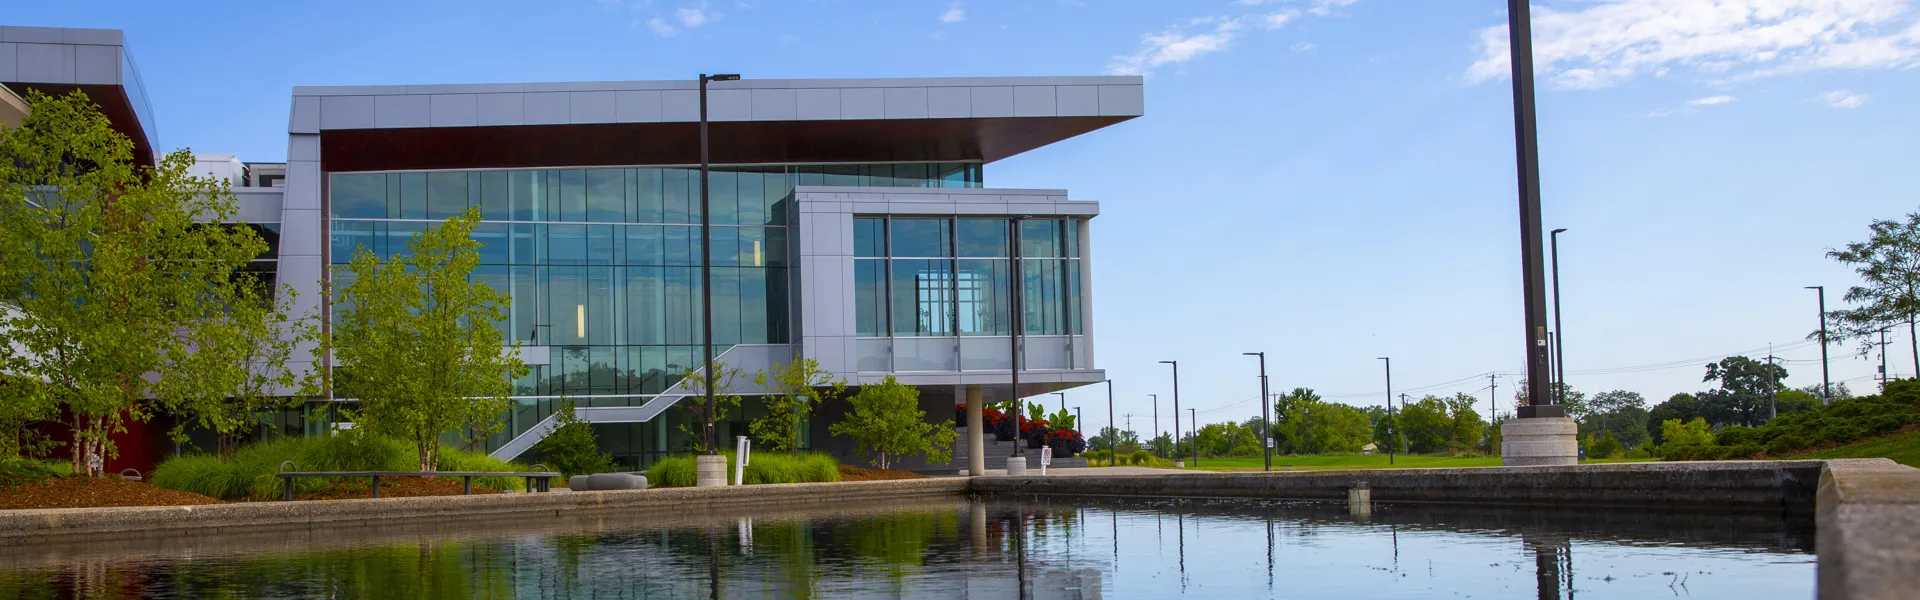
(775, 121)
(56, 61)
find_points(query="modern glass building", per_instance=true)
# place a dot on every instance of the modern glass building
(852, 223)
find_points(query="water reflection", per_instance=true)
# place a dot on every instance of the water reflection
(953, 548)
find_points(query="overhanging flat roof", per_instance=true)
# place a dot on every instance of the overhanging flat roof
(56, 61)
(753, 121)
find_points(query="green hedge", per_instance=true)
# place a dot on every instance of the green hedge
(250, 475)
(680, 471)
(1842, 422)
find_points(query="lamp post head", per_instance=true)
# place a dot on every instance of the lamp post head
(721, 77)
(1169, 362)
(1253, 354)
(1817, 287)
(1557, 231)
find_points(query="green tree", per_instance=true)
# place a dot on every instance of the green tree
(1428, 428)
(1682, 407)
(416, 341)
(1574, 400)
(1744, 385)
(725, 401)
(1793, 401)
(1888, 263)
(1689, 433)
(239, 355)
(887, 423)
(1468, 427)
(109, 271)
(572, 448)
(797, 387)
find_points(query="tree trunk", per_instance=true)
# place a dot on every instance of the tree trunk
(1915, 342)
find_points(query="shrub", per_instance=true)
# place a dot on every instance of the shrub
(1095, 457)
(1140, 457)
(251, 473)
(683, 471)
(1603, 446)
(571, 448)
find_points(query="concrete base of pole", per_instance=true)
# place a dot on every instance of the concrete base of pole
(1360, 500)
(1539, 441)
(710, 471)
(1016, 466)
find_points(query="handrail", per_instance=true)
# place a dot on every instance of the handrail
(543, 477)
(136, 474)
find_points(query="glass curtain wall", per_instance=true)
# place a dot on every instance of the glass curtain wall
(936, 277)
(603, 265)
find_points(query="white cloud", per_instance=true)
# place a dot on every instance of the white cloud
(1305, 47)
(1323, 8)
(1692, 106)
(660, 27)
(954, 14)
(695, 16)
(1710, 101)
(1843, 99)
(1603, 43)
(1201, 36)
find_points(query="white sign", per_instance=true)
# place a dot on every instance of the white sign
(1269, 442)
(1046, 455)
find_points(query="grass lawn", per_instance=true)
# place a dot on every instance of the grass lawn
(1903, 448)
(1362, 461)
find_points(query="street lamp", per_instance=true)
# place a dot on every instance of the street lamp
(1063, 400)
(1194, 422)
(1266, 423)
(1560, 335)
(1176, 405)
(1826, 383)
(1390, 424)
(1113, 433)
(1155, 442)
(706, 262)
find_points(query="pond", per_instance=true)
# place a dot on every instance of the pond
(955, 547)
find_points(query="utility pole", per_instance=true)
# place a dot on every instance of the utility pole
(1156, 424)
(1398, 431)
(1193, 421)
(1390, 427)
(1773, 399)
(1493, 398)
(1883, 358)
(1559, 335)
(1826, 380)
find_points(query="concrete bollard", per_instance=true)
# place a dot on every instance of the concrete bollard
(710, 470)
(1016, 466)
(1360, 500)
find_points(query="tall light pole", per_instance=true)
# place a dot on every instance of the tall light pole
(1559, 335)
(1113, 443)
(1014, 328)
(1156, 421)
(1063, 400)
(1826, 381)
(1266, 422)
(1526, 136)
(706, 262)
(1193, 421)
(1390, 427)
(1176, 405)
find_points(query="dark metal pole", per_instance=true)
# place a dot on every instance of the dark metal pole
(1176, 405)
(1063, 400)
(1193, 421)
(1266, 422)
(1527, 154)
(1113, 433)
(1390, 427)
(706, 274)
(1013, 332)
(1559, 335)
(1826, 381)
(1156, 421)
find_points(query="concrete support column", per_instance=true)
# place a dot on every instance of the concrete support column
(1539, 441)
(976, 430)
(710, 470)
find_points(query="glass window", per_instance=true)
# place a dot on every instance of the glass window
(1072, 229)
(778, 188)
(776, 246)
(494, 243)
(726, 246)
(869, 237)
(981, 237)
(649, 198)
(573, 195)
(751, 196)
(726, 305)
(602, 246)
(567, 286)
(911, 175)
(399, 234)
(646, 305)
(349, 237)
(674, 188)
(600, 300)
(844, 175)
(413, 195)
(566, 244)
(524, 195)
(755, 306)
(527, 303)
(606, 195)
(1040, 238)
(359, 195)
(725, 197)
(493, 196)
(870, 297)
(529, 243)
(982, 294)
(446, 194)
(922, 297)
(921, 238)
(646, 245)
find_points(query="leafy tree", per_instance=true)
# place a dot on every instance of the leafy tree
(725, 401)
(1888, 263)
(417, 345)
(1690, 433)
(1468, 427)
(1161, 446)
(1386, 435)
(797, 387)
(887, 423)
(572, 448)
(1428, 429)
(239, 355)
(1602, 446)
(1839, 391)
(1744, 385)
(1304, 424)
(1574, 400)
(1793, 401)
(1683, 407)
(109, 272)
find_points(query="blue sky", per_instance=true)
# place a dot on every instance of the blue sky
(1329, 181)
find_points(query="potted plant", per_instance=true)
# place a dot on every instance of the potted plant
(1000, 424)
(1035, 432)
(1066, 443)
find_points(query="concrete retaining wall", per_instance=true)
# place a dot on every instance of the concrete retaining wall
(1868, 530)
(100, 523)
(1746, 485)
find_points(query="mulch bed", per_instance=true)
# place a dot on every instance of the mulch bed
(858, 474)
(84, 492)
(391, 487)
